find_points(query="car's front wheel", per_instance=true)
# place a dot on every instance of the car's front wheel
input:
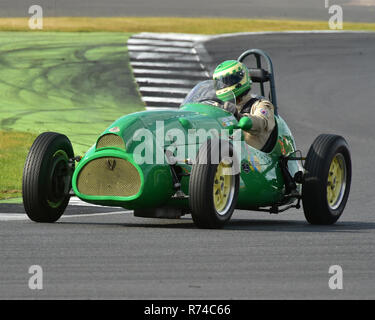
(47, 177)
(213, 187)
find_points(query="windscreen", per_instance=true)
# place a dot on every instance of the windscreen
(205, 93)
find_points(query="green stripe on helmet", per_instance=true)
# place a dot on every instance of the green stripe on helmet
(231, 67)
(226, 65)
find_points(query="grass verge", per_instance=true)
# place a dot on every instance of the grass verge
(73, 83)
(13, 152)
(180, 25)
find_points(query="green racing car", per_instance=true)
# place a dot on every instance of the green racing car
(192, 160)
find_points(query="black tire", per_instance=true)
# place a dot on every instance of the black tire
(319, 205)
(201, 187)
(47, 176)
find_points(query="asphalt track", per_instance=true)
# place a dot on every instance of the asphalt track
(325, 83)
(354, 10)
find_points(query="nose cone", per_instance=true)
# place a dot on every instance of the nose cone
(120, 133)
(150, 124)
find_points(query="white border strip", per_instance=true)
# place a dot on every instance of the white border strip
(22, 216)
(224, 35)
(203, 38)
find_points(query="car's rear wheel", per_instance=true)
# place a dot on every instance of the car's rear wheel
(47, 177)
(213, 187)
(327, 180)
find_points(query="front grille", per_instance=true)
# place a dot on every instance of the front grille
(109, 176)
(110, 140)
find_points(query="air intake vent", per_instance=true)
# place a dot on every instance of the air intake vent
(109, 176)
(110, 140)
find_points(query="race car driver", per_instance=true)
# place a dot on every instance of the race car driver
(232, 77)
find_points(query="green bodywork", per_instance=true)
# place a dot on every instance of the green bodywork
(261, 181)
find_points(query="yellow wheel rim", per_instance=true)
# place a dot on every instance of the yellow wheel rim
(223, 190)
(336, 182)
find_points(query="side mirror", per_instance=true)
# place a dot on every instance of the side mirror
(245, 123)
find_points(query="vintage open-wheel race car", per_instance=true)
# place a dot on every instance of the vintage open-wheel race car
(148, 162)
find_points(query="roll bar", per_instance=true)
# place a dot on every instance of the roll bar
(260, 75)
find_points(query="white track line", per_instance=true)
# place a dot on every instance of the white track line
(166, 82)
(156, 90)
(152, 68)
(181, 44)
(12, 216)
(160, 108)
(167, 65)
(135, 48)
(74, 201)
(226, 35)
(23, 217)
(172, 36)
(137, 55)
(163, 73)
(95, 214)
(176, 101)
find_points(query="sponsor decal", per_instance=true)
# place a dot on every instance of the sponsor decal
(281, 143)
(245, 167)
(186, 171)
(254, 163)
(226, 122)
(114, 129)
(253, 160)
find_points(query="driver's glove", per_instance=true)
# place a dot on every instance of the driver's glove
(231, 107)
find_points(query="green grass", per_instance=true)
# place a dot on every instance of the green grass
(13, 152)
(73, 83)
(203, 25)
